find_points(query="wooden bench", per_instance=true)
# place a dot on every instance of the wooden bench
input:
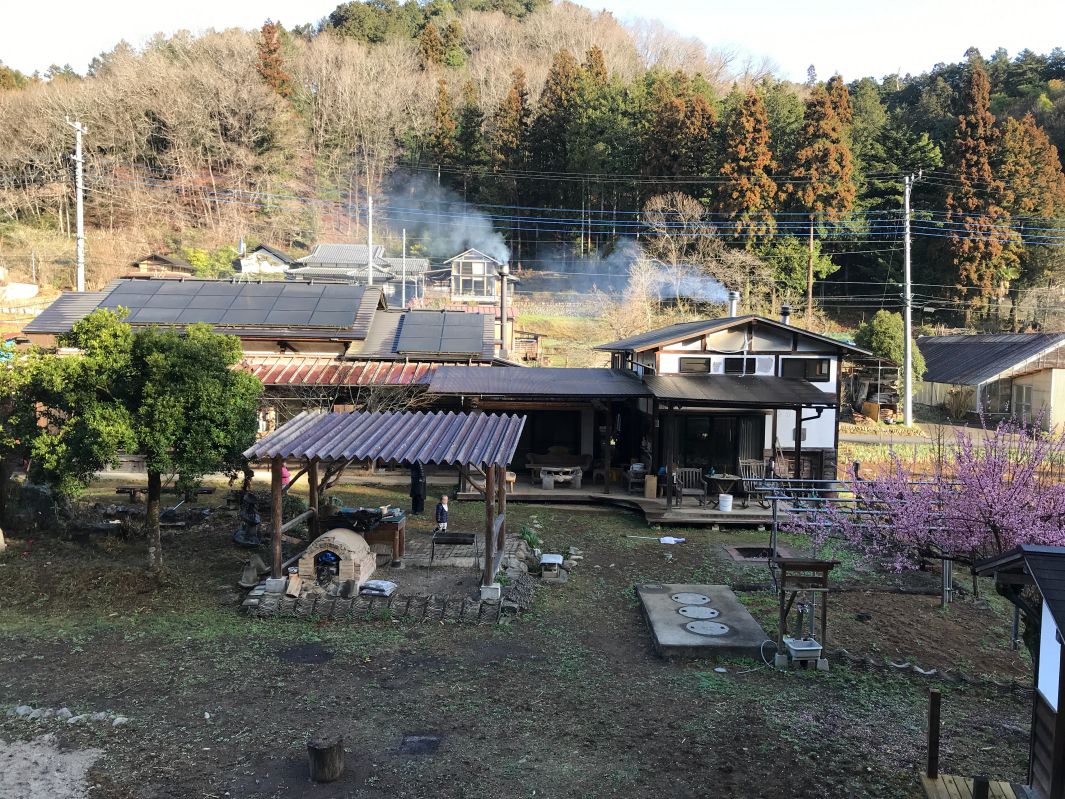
(454, 539)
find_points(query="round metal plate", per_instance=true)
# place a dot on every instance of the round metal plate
(698, 612)
(703, 627)
(689, 598)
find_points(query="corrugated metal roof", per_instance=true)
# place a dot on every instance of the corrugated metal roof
(971, 360)
(533, 382)
(67, 309)
(482, 439)
(289, 370)
(739, 391)
(685, 330)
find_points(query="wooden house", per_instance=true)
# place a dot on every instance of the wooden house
(156, 264)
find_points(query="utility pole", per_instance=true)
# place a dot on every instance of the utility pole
(369, 242)
(907, 305)
(79, 186)
(403, 281)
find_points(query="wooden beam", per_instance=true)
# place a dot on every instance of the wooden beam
(501, 507)
(489, 527)
(932, 769)
(295, 520)
(275, 521)
(312, 497)
(465, 472)
(294, 478)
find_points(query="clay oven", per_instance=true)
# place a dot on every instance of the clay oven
(341, 554)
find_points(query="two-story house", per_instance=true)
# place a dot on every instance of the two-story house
(703, 394)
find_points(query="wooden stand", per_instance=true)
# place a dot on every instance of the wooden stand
(795, 576)
(326, 757)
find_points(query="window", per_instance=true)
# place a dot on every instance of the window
(692, 365)
(474, 278)
(739, 366)
(816, 370)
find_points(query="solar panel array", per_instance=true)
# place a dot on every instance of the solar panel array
(273, 304)
(448, 332)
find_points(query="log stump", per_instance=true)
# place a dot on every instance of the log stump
(326, 757)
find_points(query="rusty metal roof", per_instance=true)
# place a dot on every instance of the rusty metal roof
(468, 439)
(736, 391)
(287, 370)
(537, 382)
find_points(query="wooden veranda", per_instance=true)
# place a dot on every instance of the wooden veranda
(333, 441)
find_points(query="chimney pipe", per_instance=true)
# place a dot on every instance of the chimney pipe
(785, 314)
(733, 303)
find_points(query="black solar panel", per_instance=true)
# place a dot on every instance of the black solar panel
(427, 332)
(238, 304)
(151, 316)
(167, 301)
(178, 288)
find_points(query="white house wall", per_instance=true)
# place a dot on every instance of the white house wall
(1049, 660)
(817, 433)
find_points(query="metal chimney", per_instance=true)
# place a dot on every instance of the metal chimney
(733, 303)
(785, 314)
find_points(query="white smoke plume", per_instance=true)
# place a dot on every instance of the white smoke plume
(440, 219)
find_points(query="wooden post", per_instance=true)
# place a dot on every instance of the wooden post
(501, 505)
(489, 523)
(932, 771)
(312, 497)
(797, 470)
(326, 758)
(608, 449)
(275, 521)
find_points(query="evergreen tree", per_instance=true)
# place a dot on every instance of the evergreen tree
(1033, 186)
(454, 55)
(748, 198)
(839, 96)
(470, 140)
(979, 227)
(680, 136)
(442, 145)
(823, 184)
(594, 66)
(271, 62)
(430, 46)
(510, 126)
(550, 129)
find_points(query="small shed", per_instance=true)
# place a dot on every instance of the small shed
(479, 445)
(1016, 574)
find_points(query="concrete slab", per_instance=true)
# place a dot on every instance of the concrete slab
(732, 631)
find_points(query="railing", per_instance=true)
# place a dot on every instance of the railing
(803, 498)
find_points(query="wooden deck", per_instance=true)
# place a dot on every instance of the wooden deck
(947, 786)
(690, 514)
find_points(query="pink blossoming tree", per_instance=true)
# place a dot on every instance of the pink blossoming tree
(986, 495)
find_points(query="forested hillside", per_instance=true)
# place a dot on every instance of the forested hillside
(574, 138)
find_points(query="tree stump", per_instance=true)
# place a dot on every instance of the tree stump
(326, 756)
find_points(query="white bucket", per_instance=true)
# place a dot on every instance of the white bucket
(724, 502)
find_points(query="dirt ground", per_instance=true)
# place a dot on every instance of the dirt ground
(568, 701)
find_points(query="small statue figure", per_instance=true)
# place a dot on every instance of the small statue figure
(247, 534)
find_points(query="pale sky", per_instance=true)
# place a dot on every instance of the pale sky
(852, 37)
